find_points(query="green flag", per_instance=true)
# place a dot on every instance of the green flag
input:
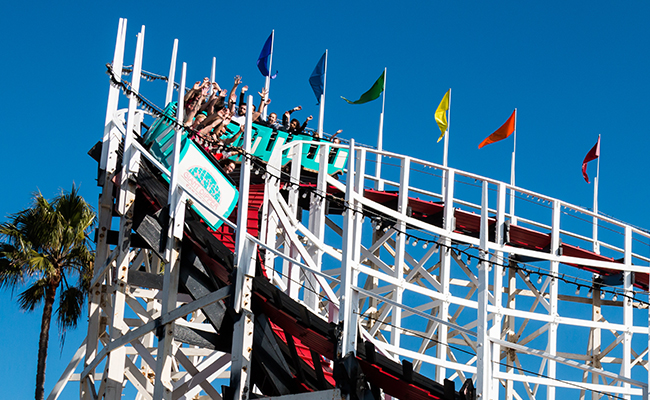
(371, 94)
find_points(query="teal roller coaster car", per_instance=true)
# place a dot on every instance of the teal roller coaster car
(264, 139)
(197, 173)
(159, 139)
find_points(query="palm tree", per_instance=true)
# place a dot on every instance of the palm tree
(44, 247)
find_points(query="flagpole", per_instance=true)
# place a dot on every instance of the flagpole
(596, 246)
(213, 73)
(513, 218)
(379, 184)
(267, 84)
(321, 114)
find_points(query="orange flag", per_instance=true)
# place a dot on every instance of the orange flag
(506, 130)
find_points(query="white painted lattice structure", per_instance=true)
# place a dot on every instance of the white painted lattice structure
(468, 305)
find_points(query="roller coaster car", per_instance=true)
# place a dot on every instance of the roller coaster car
(264, 139)
(201, 174)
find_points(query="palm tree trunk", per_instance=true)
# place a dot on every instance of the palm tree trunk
(50, 296)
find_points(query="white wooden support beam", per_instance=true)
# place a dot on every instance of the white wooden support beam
(268, 229)
(245, 259)
(163, 386)
(116, 359)
(594, 344)
(212, 367)
(172, 75)
(513, 217)
(289, 270)
(196, 379)
(483, 359)
(105, 210)
(317, 203)
(163, 319)
(628, 320)
(496, 328)
(445, 271)
(241, 262)
(113, 91)
(400, 250)
(131, 158)
(349, 309)
(357, 222)
(553, 296)
(67, 373)
(242, 342)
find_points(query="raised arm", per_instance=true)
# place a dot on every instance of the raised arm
(286, 117)
(217, 119)
(195, 103)
(233, 94)
(263, 104)
(242, 95)
(304, 124)
(208, 106)
(190, 93)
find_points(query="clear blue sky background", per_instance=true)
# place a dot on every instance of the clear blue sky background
(574, 70)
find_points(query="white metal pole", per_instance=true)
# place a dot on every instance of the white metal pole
(172, 74)
(267, 84)
(596, 246)
(513, 218)
(213, 71)
(379, 184)
(321, 114)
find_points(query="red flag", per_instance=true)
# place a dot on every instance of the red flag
(592, 155)
(506, 130)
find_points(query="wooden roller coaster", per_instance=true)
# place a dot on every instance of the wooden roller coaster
(310, 273)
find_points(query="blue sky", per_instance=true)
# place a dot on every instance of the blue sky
(573, 70)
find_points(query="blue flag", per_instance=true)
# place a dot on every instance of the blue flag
(265, 55)
(317, 78)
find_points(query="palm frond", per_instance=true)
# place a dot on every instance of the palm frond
(11, 275)
(33, 296)
(71, 302)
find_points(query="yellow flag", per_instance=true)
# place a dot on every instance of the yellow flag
(441, 114)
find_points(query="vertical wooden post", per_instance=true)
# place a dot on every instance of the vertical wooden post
(483, 359)
(108, 165)
(130, 162)
(445, 271)
(245, 258)
(553, 296)
(163, 386)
